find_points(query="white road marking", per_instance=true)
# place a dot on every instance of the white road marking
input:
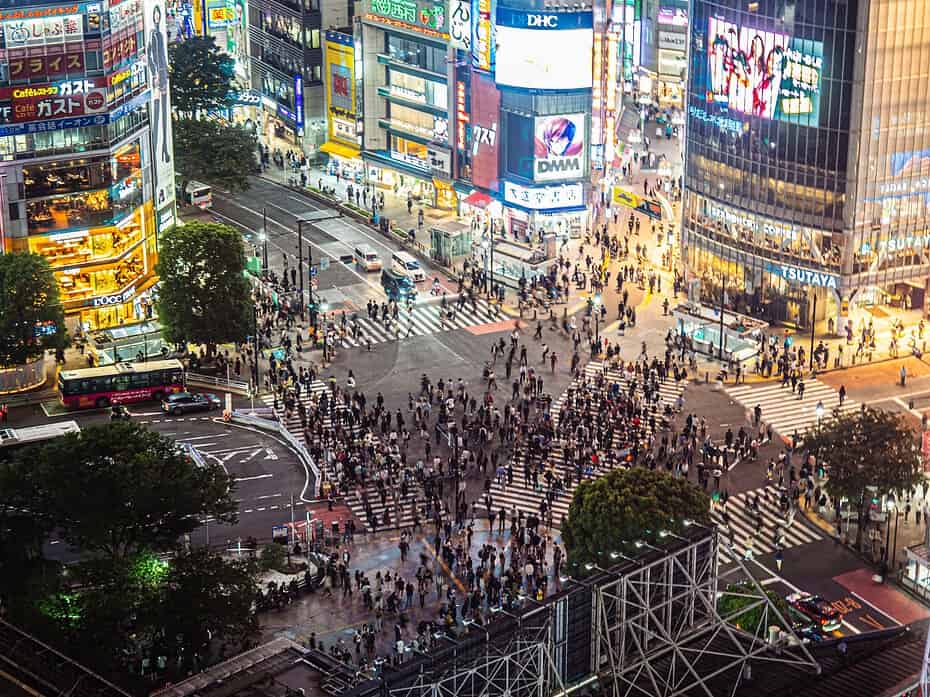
(850, 627)
(878, 610)
(269, 454)
(249, 479)
(215, 435)
(249, 457)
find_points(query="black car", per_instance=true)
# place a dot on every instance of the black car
(183, 402)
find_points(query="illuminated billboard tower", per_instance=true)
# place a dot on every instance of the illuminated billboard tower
(806, 189)
(85, 131)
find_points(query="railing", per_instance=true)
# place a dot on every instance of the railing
(248, 419)
(238, 386)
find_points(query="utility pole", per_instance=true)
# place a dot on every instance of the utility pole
(813, 322)
(264, 240)
(300, 264)
(723, 295)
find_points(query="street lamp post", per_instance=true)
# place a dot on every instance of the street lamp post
(264, 239)
(597, 321)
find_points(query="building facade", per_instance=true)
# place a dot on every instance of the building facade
(806, 189)
(403, 46)
(86, 162)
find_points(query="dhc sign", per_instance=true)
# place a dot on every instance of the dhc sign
(801, 276)
(542, 21)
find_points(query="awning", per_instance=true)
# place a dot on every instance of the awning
(331, 148)
(478, 199)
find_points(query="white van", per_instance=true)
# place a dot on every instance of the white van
(404, 264)
(367, 258)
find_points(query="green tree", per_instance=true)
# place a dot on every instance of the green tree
(737, 596)
(626, 505)
(201, 76)
(865, 453)
(28, 300)
(204, 596)
(204, 296)
(216, 153)
(115, 490)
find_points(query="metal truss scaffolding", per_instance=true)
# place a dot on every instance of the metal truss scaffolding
(525, 670)
(661, 623)
(662, 629)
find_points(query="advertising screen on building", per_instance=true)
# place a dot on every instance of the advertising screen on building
(460, 24)
(485, 114)
(559, 147)
(544, 51)
(156, 47)
(762, 73)
(544, 197)
(428, 18)
(53, 101)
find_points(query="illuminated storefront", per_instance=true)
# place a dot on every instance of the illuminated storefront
(799, 187)
(87, 170)
(343, 140)
(406, 134)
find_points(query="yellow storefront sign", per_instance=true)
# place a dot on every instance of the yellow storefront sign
(624, 197)
(339, 79)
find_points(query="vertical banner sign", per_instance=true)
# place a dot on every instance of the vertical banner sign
(299, 102)
(460, 24)
(485, 115)
(156, 49)
(482, 40)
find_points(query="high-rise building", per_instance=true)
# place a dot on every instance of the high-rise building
(86, 164)
(286, 58)
(807, 194)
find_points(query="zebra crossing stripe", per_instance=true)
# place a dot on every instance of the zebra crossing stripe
(523, 497)
(782, 409)
(743, 525)
(423, 321)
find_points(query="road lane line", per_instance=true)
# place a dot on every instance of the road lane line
(249, 479)
(877, 609)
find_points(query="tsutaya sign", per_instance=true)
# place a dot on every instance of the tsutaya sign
(802, 276)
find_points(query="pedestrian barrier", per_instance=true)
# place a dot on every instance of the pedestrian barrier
(276, 427)
(237, 386)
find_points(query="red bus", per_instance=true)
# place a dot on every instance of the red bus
(120, 383)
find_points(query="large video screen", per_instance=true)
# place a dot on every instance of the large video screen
(763, 73)
(558, 147)
(544, 59)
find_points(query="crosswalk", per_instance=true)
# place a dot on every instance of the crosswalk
(422, 320)
(400, 508)
(521, 495)
(740, 525)
(784, 411)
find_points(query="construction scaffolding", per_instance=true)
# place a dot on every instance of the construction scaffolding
(655, 623)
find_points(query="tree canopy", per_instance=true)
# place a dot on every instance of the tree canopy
(116, 489)
(201, 76)
(119, 494)
(31, 315)
(865, 453)
(214, 152)
(204, 296)
(626, 505)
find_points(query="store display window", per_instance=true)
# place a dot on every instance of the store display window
(87, 246)
(107, 279)
(87, 192)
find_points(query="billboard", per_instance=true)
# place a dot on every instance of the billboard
(156, 49)
(460, 24)
(58, 100)
(485, 115)
(421, 16)
(558, 147)
(764, 74)
(544, 197)
(543, 50)
(340, 88)
(482, 40)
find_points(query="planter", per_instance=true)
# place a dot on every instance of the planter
(24, 377)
